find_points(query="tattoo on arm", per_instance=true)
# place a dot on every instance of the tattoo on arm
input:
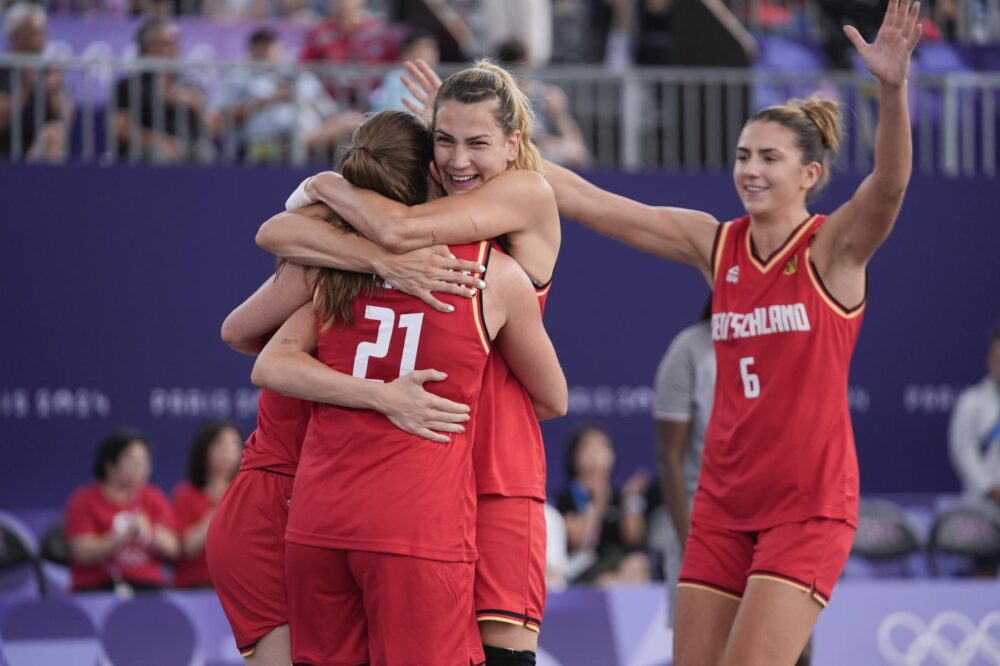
(289, 341)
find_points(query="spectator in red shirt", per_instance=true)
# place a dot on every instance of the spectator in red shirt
(350, 35)
(213, 461)
(120, 528)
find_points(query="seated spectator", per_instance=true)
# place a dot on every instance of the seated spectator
(556, 133)
(974, 435)
(41, 121)
(157, 112)
(418, 44)
(213, 461)
(350, 35)
(277, 113)
(120, 528)
(601, 519)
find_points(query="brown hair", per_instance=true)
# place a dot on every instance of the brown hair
(388, 154)
(485, 81)
(817, 124)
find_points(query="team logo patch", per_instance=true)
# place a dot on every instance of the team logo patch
(733, 274)
(792, 267)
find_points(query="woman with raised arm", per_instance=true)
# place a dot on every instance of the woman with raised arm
(481, 124)
(380, 532)
(776, 508)
(245, 548)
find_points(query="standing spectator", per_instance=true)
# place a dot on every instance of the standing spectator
(599, 517)
(529, 21)
(25, 26)
(556, 134)
(277, 113)
(156, 111)
(120, 528)
(685, 387)
(418, 45)
(213, 461)
(350, 35)
(974, 435)
(453, 37)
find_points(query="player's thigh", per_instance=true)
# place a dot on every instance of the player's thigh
(273, 649)
(326, 611)
(702, 625)
(510, 636)
(772, 626)
(419, 611)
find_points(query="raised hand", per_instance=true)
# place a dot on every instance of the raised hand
(888, 57)
(423, 83)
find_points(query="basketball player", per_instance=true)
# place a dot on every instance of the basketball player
(381, 526)
(482, 150)
(776, 507)
(246, 547)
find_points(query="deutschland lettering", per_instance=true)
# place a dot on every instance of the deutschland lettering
(761, 321)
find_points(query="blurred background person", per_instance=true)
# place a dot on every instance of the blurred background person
(556, 132)
(158, 111)
(274, 112)
(213, 461)
(418, 44)
(350, 34)
(529, 21)
(600, 519)
(120, 528)
(42, 121)
(974, 433)
(452, 35)
(685, 387)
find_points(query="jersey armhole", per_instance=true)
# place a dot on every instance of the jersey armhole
(718, 243)
(478, 311)
(824, 293)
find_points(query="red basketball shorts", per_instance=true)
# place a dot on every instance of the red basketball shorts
(808, 555)
(246, 554)
(510, 573)
(352, 607)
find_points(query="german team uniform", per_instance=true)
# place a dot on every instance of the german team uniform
(381, 535)
(778, 493)
(509, 457)
(245, 548)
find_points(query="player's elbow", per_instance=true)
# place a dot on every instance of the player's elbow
(266, 238)
(554, 405)
(262, 375)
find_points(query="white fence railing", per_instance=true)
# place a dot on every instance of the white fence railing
(639, 118)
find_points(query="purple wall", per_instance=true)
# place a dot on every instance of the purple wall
(117, 278)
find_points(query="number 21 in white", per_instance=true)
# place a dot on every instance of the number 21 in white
(378, 349)
(751, 382)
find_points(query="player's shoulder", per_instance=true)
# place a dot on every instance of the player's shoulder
(526, 181)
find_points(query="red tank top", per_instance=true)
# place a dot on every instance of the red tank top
(276, 443)
(364, 484)
(779, 446)
(509, 452)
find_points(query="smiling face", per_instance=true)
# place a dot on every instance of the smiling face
(469, 146)
(769, 174)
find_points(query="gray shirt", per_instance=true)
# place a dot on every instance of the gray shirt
(974, 438)
(685, 387)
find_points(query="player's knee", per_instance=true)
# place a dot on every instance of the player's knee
(496, 656)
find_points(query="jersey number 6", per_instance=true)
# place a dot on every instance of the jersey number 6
(751, 382)
(378, 349)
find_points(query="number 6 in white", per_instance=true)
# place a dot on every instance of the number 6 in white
(751, 382)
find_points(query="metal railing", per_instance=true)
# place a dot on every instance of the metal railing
(641, 118)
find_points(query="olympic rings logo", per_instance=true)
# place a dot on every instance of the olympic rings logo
(950, 639)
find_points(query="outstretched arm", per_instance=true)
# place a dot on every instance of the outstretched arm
(286, 365)
(678, 234)
(856, 229)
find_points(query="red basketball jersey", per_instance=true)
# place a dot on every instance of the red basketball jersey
(509, 453)
(364, 484)
(779, 446)
(281, 425)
